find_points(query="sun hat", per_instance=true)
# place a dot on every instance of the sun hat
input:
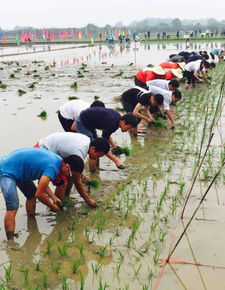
(177, 73)
(182, 65)
(157, 70)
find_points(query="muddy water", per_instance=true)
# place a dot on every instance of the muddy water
(128, 199)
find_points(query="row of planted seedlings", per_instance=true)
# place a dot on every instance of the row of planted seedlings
(118, 245)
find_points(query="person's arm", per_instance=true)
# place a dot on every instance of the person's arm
(169, 114)
(137, 113)
(205, 76)
(74, 127)
(41, 193)
(115, 160)
(196, 75)
(76, 176)
(112, 142)
(54, 198)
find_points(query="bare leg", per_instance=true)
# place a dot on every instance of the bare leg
(10, 223)
(31, 206)
(93, 164)
(69, 186)
(60, 191)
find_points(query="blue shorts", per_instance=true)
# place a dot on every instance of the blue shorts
(8, 187)
(83, 130)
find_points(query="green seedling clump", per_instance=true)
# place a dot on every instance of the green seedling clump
(96, 97)
(150, 65)
(31, 86)
(118, 75)
(159, 123)
(92, 183)
(21, 92)
(74, 85)
(72, 98)
(121, 150)
(43, 114)
(2, 86)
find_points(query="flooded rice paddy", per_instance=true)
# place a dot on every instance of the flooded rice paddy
(124, 243)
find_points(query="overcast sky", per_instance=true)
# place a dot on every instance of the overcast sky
(74, 13)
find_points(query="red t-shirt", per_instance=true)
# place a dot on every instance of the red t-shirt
(168, 76)
(169, 65)
(147, 75)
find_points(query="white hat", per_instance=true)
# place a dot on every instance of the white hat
(157, 70)
(182, 65)
(177, 73)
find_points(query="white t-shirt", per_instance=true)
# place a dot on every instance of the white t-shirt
(72, 109)
(167, 96)
(66, 143)
(194, 66)
(163, 84)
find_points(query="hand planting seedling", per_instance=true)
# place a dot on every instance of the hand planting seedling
(121, 150)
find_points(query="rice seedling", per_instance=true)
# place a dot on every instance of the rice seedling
(91, 184)
(103, 251)
(156, 257)
(81, 250)
(151, 274)
(47, 67)
(75, 266)
(38, 265)
(32, 86)
(137, 270)
(43, 114)
(121, 150)
(159, 123)
(96, 98)
(120, 109)
(21, 92)
(2, 85)
(45, 281)
(145, 287)
(67, 203)
(74, 85)
(11, 76)
(96, 267)
(87, 234)
(49, 246)
(118, 75)
(63, 250)
(81, 282)
(25, 272)
(60, 236)
(117, 268)
(56, 267)
(150, 65)
(64, 283)
(102, 286)
(8, 272)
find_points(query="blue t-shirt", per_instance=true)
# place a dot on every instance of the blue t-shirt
(30, 164)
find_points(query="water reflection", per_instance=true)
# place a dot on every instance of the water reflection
(115, 53)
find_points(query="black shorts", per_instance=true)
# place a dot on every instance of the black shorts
(28, 188)
(189, 76)
(140, 84)
(66, 123)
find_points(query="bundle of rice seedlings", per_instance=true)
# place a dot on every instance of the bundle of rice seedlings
(121, 150)
(159, 123)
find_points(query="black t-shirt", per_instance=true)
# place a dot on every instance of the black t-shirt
(135, 96)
